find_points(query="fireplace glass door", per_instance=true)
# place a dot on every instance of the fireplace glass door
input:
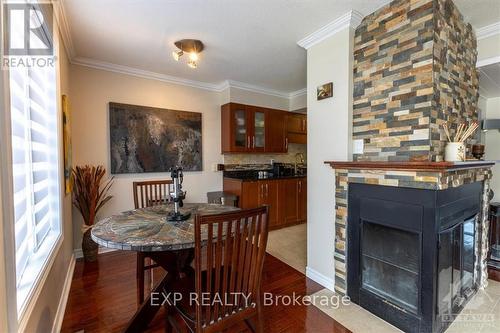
(390, 261)
(455, 267)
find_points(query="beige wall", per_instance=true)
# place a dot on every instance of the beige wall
(329, 128)
(44, 313)
(492, 141)
(92, 90)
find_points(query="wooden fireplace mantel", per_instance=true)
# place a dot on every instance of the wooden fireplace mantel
(410, 166)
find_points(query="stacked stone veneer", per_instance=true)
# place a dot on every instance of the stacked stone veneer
(431, 180)
(414, 68)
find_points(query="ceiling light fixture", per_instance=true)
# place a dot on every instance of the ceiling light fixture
(193, 47)
(177, 55)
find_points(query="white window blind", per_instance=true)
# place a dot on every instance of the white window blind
(34, 127)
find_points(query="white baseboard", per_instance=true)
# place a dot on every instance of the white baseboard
(317, 277)
(61, 307)
(79, 253)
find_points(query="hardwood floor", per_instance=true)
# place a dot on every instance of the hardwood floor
(103, 298)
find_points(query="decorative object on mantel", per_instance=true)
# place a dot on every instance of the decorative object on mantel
(324, 91)
(455, 147)
(191, 46)
(478, 151)
(147, 139)
(68, 150)
(90, 194)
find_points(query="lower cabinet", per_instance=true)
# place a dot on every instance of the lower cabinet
(268, 195)
(286, 198)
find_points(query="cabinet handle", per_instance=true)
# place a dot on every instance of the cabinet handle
(248, 141)
(267, 190)
(286, 143)
(300, 186)
(253, 141)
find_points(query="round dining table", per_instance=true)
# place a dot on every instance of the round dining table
(169, 244)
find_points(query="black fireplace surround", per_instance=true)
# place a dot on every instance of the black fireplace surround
(411, 253)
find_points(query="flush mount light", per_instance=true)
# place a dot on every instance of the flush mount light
(193, 47)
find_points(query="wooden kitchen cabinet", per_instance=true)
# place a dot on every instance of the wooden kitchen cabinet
(302, 199)
(297, 128)
(249, 197)
(254, 129)
(268, 195)
(286, 198)
(277, 135)
(243, 128)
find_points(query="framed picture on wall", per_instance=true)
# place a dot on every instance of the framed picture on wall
(147, 139)
(324, 91)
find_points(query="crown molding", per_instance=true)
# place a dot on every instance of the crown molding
(102, 65)
(107, 66)
(257, 89)
(62, 23)
(488, 31)
(487, 61)
(350, 19)
(297, 93)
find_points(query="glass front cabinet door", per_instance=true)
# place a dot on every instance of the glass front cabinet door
(258, 138)
(244, 128)
(241, 137)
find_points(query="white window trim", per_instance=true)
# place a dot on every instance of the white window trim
(17, 321)
(34, 293)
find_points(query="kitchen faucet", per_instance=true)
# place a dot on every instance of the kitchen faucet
(300, 158)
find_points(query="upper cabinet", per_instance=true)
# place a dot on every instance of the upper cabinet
(253, 129)
(276, 131)
(297, 128)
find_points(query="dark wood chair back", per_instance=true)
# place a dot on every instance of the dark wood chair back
(146, 194)
(235, 249)
(151, 192)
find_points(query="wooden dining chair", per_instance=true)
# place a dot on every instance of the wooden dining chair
(146, 194)
(233, 252)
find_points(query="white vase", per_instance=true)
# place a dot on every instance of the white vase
(454, 152)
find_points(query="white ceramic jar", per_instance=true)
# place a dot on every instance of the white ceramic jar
(454, 152)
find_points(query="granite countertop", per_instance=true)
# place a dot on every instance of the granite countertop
(257, 174)
(269, 177)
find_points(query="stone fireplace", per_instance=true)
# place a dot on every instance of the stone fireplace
(414, 69)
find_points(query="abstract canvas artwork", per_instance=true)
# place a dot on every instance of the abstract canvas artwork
(146, 139)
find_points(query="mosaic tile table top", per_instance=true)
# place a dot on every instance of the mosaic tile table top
(147, 229)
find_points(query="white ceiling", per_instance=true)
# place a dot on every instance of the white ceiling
(489, 81)
(250, 41)
(479, 13)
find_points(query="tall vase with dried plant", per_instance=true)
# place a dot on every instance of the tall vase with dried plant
(90, 194)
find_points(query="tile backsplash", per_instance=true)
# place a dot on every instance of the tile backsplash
(293, 149)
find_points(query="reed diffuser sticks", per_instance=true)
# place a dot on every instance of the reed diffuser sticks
(463, 132)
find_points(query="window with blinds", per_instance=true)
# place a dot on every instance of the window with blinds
(36, 185)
